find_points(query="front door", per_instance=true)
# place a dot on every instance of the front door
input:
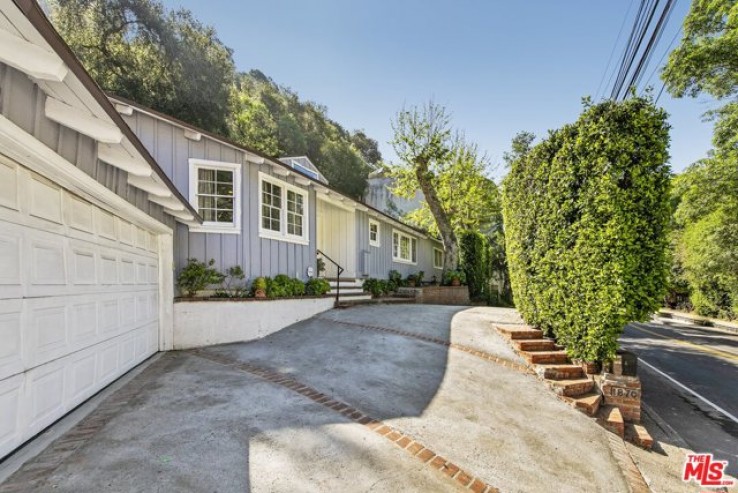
(337, 237)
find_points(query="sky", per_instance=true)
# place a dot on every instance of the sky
(498, 66)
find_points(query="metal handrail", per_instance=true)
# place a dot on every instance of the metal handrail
(339, 270)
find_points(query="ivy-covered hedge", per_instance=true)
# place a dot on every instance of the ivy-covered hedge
(474, 261)
(586, 214)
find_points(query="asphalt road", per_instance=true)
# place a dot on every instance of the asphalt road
(689, 375)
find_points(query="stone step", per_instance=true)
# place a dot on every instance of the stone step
(354, 296)
(559, 372)
(612, 420)
(545, 357)
(588, 403)
(520, 332)
(639, 435)
(534, 344)
(572, 388)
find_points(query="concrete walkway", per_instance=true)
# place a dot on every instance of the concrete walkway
(348, 401)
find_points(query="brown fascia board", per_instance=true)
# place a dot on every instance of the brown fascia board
(38, 19)
(241, 147)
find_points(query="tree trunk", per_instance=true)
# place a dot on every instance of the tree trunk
(450, 243)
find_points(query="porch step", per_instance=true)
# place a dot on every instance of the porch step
(588, 403)
(545, 357)
(571, 388)
(612, 419)
(515, 333)
(534, 344)
(559, 372)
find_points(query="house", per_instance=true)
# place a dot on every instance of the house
(102, 201)
(272, 216)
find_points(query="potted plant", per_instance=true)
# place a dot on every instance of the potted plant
(411, 280)
(259, 287)
(454, 278)
(321, 266)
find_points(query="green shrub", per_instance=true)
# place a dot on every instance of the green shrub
(377, 287)
(283, 286)
(395, 280)
(474, 262)
(260, 284)
(586, 216)
(196, 276)
(317, 287)
(231, 285)
(450, 275)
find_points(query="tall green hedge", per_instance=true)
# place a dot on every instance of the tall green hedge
(586, 214)
(473, 260)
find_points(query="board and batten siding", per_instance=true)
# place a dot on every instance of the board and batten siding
(378, 261)
(257, 256)
(22, 102)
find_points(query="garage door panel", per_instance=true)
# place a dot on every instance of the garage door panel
(78, 301)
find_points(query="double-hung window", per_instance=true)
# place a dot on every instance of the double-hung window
(283, 210)
(374, 233)
(438, 258)
(404, 248)
(215, 193)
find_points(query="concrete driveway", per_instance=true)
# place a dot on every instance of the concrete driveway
(375, 398)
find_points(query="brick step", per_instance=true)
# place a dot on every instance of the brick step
(520, 332)
(638, 435)
(572, 388)
(588, 403)
(534, 344)
(545, 357)
(559, 372)
(612, 419)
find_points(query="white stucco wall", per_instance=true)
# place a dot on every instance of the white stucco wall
(205, 323)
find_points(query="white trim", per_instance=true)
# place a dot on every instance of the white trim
(81, 121)
(437, 266)
(282, 234)
(32, 153)
(378, 242)
(212, 226)
(165, 246)
(30, 58)
(401, 260)
(150, 185)
(116, 155)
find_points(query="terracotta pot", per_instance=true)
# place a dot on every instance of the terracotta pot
(260, 293)
(411, 284)
(455, 282)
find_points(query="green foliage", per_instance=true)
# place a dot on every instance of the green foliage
(474, 262)
(259, 284)
(394, 280)
(283, 286)
(196, 276)
(166, 60)
(586, 219)
(377, 287)
(317, 287)
(272, 119)
(231, 285)
(450, 275)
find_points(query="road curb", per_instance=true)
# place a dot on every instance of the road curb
(706, 322)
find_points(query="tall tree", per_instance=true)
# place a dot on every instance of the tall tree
(423, 142)
(166, 60)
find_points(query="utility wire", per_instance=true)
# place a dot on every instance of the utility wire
(612, 52)
(661, 61)
(652, 43)
(629, 45)
(634, 53)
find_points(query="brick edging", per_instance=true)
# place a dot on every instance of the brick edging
(507, 363)
(406, 442)
(628, 468)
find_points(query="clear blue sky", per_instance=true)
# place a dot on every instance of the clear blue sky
(500, 67)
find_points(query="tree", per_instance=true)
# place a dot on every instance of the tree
(424, 145)
(367, 147)
(252, 125)
(165, 60)
(586, 216)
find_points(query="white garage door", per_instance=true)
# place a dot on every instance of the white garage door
(78, 301)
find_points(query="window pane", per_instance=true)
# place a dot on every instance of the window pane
(206, 202)
(208, 214)
(225, 216)
(206, 187)
(206, 174)
(225, 203)
(414, 250)
(225, 176)
(226, 189)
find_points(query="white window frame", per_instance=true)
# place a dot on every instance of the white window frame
(435, 265)
(378, 241)
(282, 234)
(214, 226)
(411, 239)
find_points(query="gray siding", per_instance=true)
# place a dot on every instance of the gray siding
(377, 261)
(22, 102)
(257, 256)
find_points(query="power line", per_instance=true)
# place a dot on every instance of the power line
(612, 52)
(629, 45)
(652, 42)
(666, 52)
(621, 87)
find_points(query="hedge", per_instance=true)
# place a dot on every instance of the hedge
(586, 214)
